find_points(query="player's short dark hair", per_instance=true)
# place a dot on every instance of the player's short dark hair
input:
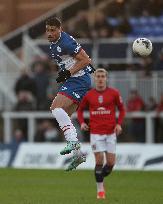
(53, 21)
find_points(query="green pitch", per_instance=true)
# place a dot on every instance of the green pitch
(78, 187)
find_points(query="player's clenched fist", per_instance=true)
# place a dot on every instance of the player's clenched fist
(63, 75)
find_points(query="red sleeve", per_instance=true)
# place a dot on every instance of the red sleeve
(82, 106)
(121, 108)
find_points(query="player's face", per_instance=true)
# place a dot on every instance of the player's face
(100, 80)
(53, 33)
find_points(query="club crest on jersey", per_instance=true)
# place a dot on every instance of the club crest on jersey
(58, 49)
(100, 99)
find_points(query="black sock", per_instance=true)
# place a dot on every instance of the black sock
(106, 170)
(99, 173)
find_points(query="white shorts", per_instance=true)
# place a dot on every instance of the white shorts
(103, 143)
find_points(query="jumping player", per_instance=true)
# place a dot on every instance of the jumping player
(75, 69)
(102, 102)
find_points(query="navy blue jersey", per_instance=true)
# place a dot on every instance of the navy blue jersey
(63, 52)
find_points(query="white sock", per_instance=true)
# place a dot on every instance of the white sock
(65, 124)
(100, 186)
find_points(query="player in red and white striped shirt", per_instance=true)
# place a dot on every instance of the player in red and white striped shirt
(102, 102)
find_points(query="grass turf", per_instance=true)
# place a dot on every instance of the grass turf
(78, 187)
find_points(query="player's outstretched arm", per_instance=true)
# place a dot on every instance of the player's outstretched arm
(82, 60)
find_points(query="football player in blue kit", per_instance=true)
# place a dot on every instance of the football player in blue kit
(74, 74)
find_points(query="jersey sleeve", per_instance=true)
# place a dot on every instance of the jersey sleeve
(82, 107)
(72, 47)
(121, 108)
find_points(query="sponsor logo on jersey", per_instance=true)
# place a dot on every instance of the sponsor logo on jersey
(100, 99)
(100, 111)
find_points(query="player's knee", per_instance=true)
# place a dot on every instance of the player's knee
(99, 173)
(111, 163)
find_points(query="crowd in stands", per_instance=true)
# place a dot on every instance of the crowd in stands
(119, 18)
(122, 18)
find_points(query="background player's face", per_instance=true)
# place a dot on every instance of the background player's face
(100, 80)
(53, 33)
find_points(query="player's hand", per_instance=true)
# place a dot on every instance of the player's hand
(118, 129)
(63, 75)
(84, 126)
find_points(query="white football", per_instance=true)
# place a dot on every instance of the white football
(142, 46)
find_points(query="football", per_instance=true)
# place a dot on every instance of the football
(142, 47)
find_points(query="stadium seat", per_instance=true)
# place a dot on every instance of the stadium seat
(153, 20)
(134, 21)
(143, 21)
(160, 19)
(113, 21)
(157, 31)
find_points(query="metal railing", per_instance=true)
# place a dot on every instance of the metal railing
(32, 116)
(30, 51)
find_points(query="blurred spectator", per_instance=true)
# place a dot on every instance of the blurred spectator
(137, 7)
(159, 120)
(115, 8)
(43, 61)
(146, 66)
(25, 82)
(25, 102)
(47, 132)
(18, 137)
(151, 104)
(101, 27)
(52, 88)
(136, 126)
(117, 33)
(135, 102)
(124, 26)
(155, 7)
(104, 33)
(159, 63)
(81, 25)
(41, 78)
(160, 105)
